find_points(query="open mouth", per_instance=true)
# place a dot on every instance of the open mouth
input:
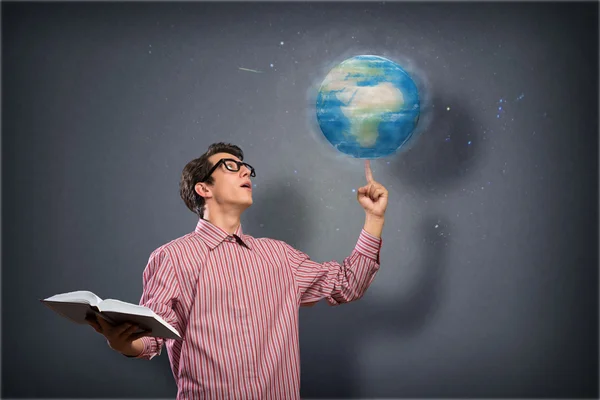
(247, 186)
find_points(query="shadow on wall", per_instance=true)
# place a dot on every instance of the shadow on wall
(409, 313)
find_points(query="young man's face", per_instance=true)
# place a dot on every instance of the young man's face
(230, 188)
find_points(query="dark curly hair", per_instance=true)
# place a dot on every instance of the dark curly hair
(196, 169)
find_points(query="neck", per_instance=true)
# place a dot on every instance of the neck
(229, 222)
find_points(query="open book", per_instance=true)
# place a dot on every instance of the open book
(75, 306)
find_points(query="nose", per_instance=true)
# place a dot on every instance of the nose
(245, 171)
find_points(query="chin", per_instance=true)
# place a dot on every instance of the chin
(247, 203)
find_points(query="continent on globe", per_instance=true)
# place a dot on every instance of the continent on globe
(368, 107)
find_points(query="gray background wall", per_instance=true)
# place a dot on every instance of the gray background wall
(488, 285)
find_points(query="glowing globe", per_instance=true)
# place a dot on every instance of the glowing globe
(368, 107)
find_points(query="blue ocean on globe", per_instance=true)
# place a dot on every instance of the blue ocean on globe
(368, 107)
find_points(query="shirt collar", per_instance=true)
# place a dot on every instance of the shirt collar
(212, 235)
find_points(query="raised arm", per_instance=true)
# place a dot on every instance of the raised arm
(336, 282)
(347, 281)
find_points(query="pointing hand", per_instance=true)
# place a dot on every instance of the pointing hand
(373, 197)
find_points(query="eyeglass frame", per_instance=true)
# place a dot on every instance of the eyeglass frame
(224, 161)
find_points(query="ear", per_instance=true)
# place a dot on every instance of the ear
(203, 190)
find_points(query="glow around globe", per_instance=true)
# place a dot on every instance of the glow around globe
(368, 107)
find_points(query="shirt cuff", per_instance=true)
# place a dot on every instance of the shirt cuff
(150, 349)
(369, 245)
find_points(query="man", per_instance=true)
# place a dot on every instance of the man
(235, 298)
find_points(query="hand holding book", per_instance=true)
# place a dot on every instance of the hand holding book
(120, 337)
(123, 324)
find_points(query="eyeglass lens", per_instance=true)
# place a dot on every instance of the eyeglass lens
(234, 166)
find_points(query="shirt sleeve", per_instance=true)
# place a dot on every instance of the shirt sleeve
(160, 294)
(336, 282)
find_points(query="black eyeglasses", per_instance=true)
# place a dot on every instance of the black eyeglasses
(231, 165)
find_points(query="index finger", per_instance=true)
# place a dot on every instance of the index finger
(368, 172)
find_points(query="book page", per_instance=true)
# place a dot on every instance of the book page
(76, 307)
(112, 305)
(80, 296)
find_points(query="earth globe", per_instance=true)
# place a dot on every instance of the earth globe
(368, 107)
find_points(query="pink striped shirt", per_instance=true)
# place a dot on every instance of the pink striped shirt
(235, 300)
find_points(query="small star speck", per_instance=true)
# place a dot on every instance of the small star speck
(271, 65)
(448, 108)
(281, 43)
